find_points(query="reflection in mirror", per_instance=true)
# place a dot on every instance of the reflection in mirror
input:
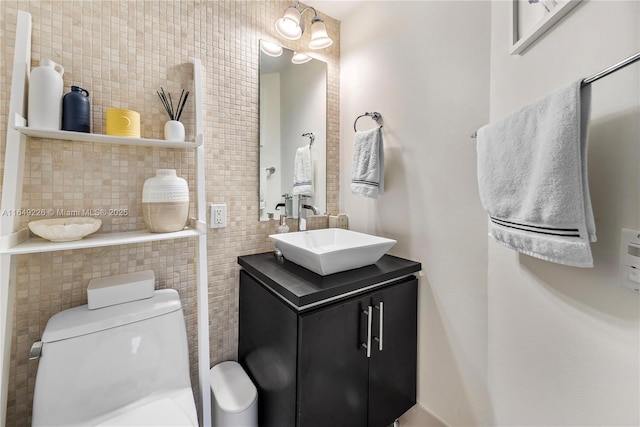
(293, 103)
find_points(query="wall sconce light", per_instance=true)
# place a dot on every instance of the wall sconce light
(291, 26)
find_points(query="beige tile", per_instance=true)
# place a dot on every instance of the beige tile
(122, 52)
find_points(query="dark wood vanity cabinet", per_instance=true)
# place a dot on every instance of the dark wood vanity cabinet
(343, 360)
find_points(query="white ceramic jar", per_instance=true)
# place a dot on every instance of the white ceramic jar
(45, 96)
(165, 202)
(174, 131)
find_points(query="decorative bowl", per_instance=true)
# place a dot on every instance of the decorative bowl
(65, 229)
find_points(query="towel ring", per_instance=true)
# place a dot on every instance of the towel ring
(311, 136)
(374, 115)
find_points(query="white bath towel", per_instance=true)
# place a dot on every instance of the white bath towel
(532, 177)
(303, 172)
(367, 178)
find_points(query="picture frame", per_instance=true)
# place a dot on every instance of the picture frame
(523, 34)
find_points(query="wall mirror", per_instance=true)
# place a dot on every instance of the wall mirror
(293, 103)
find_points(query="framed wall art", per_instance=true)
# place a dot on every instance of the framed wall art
(532, 18)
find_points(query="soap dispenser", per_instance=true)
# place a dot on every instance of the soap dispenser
(282, 227)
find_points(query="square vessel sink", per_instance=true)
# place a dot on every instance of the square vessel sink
(331, 250)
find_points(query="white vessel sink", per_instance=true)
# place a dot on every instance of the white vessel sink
(331, 250)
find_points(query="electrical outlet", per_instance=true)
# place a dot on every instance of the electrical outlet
(218, 215)
(630, 259)
(339, 221)
(342, 221)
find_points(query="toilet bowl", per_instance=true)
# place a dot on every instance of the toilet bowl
(123, 365)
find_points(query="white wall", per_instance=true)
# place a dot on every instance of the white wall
(564, 342)
(304, 101)
(504, 339)
(270, 141)
(425, 67)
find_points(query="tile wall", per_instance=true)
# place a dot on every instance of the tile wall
(122, 52)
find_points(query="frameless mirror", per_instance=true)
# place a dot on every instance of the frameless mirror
(293, 103)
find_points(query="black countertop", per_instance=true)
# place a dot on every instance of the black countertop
(302, 287)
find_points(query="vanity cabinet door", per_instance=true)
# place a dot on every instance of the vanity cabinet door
(392, 370)
(267, 349)
(333, 366)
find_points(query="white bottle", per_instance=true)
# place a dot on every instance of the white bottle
(45, 96)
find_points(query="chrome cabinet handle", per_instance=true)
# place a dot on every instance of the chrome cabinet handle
(367, 345)
(381, 318)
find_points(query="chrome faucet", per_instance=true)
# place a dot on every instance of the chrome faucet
(282, 205)
(288, 205)
(302, 212)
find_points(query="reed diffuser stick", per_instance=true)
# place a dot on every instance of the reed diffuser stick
(167, 102)
(181, 106)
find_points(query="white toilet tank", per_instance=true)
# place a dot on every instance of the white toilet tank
(116, 365)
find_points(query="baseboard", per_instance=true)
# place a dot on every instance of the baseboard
(419, 416)
(435, 416)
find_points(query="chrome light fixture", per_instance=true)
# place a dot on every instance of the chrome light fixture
(319, 37)
(291, 26)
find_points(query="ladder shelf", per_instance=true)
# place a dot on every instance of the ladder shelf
(15, 241)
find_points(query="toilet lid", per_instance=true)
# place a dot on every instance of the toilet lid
(78, 321)
(162, 412)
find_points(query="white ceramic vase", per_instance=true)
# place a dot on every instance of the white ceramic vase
(165, 202)
(173, 131)
(45, 96)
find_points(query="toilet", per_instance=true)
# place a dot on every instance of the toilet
(122, 365)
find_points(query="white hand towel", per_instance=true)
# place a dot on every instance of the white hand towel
(367, 178)
(532, 177)
(303, 172)
(263, 187)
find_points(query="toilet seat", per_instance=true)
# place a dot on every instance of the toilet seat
(160, 412)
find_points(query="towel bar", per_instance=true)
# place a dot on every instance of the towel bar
(620, 65)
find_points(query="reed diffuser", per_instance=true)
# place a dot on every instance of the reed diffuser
(173, 129)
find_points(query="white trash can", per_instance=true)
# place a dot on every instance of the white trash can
(234, 398)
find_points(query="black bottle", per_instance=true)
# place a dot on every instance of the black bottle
(76, 112)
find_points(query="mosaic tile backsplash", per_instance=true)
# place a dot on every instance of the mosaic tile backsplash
(122, 52)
